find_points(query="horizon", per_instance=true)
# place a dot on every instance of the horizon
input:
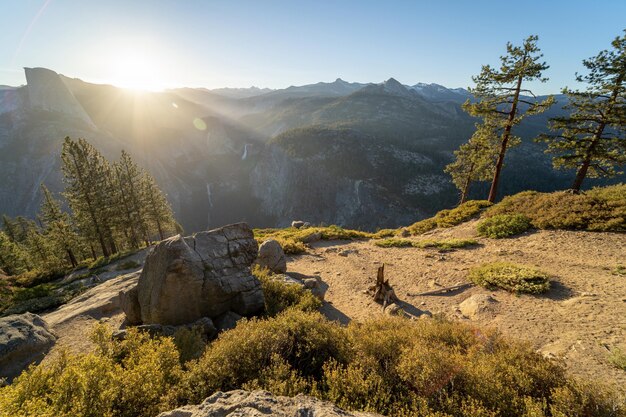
(277, 44)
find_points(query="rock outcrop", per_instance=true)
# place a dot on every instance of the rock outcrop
(204, 275)
(272, 257)
(24, 339)
(261, 403)
(46, 91)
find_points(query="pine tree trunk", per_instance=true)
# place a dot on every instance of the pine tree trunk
(72, 258)
(94, 255)
(158, 222)
(468, 181)
(505, 140)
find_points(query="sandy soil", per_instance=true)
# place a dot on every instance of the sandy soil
(579, 320)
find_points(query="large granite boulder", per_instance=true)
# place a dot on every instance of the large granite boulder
(262, 403)
(204, 275)
(272, 257)
(24, 339)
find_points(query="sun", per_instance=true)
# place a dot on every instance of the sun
(135, 66)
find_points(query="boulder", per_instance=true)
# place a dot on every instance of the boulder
(272, 256)
(227, 321)
(297, 224)
(204, 275)
(129, 302)
(261, 403)
(24, 339)
(477, 305)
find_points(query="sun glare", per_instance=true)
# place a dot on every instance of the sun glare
(135, 67)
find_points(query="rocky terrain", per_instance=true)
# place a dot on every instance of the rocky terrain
(359, 155)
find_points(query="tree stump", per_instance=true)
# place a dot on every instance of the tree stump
(382, 292)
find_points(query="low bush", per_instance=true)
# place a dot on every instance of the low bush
(503, 225)
(618, 359)
(460, 214)
(422, 226)
(389, 365)
(510, 277)
(280, 295)
(599, 209)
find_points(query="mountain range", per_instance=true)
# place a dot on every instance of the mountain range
(359, 155)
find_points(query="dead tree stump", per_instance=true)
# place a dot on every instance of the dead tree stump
(382, 292)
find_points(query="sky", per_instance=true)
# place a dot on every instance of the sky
(270, 43)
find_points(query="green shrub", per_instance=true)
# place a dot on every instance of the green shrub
(422, 226)
(389, 365)
(303, 341)
(510, 277)
(503, 225)
(280, 295)
(599, 209)
(127, 378)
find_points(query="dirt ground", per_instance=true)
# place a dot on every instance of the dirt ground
(579, 320)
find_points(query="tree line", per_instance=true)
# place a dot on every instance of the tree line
(114, 207)
(591, 139)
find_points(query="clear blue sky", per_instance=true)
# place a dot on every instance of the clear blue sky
(275, 44)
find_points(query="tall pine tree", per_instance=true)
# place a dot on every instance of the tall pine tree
(157, 209)
(87, 175)
(500, 95)
(592, 138)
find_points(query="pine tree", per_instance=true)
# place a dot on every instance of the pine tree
(475, 160)
(129, 184)
(88, 178)
(14, 258)
(57, 226)
(592, 138)
(500, 95)
(157, 208)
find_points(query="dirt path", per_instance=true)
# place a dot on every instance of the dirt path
(582, 316)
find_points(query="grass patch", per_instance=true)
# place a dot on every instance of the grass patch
(422, 244)
(503, 225)
(449, 218)
(292, 239)
(127, 265)
(618, 359)
(619, 270)
(599, 209)
(510, 277)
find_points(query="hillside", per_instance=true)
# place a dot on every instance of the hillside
(220, 154)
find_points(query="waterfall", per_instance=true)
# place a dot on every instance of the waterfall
(245, 152)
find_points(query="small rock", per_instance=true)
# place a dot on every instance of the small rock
(393, 310)
(311, 283)
(477, 305)
(347, 252)
(405, 233)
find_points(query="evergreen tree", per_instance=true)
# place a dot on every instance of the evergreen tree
(88, 179)
(14, 258)
(500, 95)
(476, 159)
(157, 209)
(129, 184)
(57, 226)
(592, 138)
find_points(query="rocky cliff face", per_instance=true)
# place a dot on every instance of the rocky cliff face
(46, 91)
